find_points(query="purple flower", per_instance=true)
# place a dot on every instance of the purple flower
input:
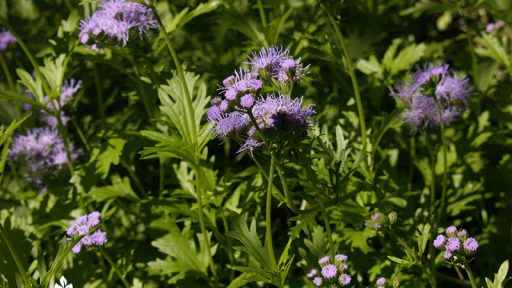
(447, 255)
(324, 260)
(318, 281)
(114, 21)
(312, 273)
(242, 83)
(439, 241)
(452, 244)
(381, 281)
(462, 233)
(247, 101)
(344, 279)
(451, 230)
(268, 58)
(82, 226)
(329, 271)
(470, 245)
(6, 38)
(340, 257)
(433, 95)
(494, 26)
(42, 149)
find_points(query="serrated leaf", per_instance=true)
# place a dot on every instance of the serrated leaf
(109, 153)
(120, 187)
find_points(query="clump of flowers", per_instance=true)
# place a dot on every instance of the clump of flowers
(114, 21)
(378, 220)
(82, 227)
(67, 92)
(433, 95)
(455, 243)
(330, 273)
(42, 149)
(6, 38)
(240, 110)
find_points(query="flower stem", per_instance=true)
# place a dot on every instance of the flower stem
(115, 268)
(445, 163)
(353, 78)
(7, 74)
(284, 183)
(268, 216)
(327, 227)
(262, 14)
(470, 273)
(14, 255)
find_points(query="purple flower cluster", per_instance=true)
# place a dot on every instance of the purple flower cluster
(455, 243)
(114, 22)
(381, 282)
(494, 26)
(378, 220)
(82, 227)
(431, 95)
(241, 111)
(43, 151)
(277, 63)
(6, 38)
(330, 272)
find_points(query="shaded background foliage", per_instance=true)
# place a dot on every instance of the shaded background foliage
(149, 207)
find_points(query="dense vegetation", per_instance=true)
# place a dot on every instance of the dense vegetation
(255, 143)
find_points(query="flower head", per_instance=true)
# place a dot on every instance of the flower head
(439, 241)
(433, 95)
(344, 279)
(318, 281)
(381, 281)
(452, 244)
(453, 241)
(114, 21)
(82, 226)
(470, 245)
(6, 38)
(312, 273)
(329, 271)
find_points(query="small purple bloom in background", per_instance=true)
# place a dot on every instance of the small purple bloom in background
(114, 21)
(312, 273)
(381, 281)
(340, 257)
(494, 26)
(82, 226)
(324, 260)
(329, 271)
(439, 241)
(344, 279)
(43, 151)
(470, 245)
(432, 97)
(451, 230)
(318, 281)
(6, 38)
(462, 233)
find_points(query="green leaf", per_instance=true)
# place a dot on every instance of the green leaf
(398, 260)
(109, 153)
(120, 188)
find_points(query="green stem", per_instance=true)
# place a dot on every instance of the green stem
(181, 76)
(262, 14)
(14, 255)
(327, 227)
(6, 72)
(199, 192)
(355, 84)
(470, 274)
(115, 268)
(268, 216)
(284, 183)
(445, 163)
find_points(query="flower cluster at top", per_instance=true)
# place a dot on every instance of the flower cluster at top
(114, 22)
(43, 151)
(432, 95)
(455, 243)
(82, 227)
(330, 273)
(6, 38)
(241, 111)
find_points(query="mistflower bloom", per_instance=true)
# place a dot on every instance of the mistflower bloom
(242, 83)
(329, 271)
(470, 245)
(277, 63)
(324, 260)
(68, 90)
(43, 151)
(114, 21)
(312, 273)
(82, 226)
(377, 221)
(318, 281)
(344, 279)
(494, 26)
(381, 282)
(6, 38)
(340, 257)
(453, 241)
(440, 239)
(433, 95)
